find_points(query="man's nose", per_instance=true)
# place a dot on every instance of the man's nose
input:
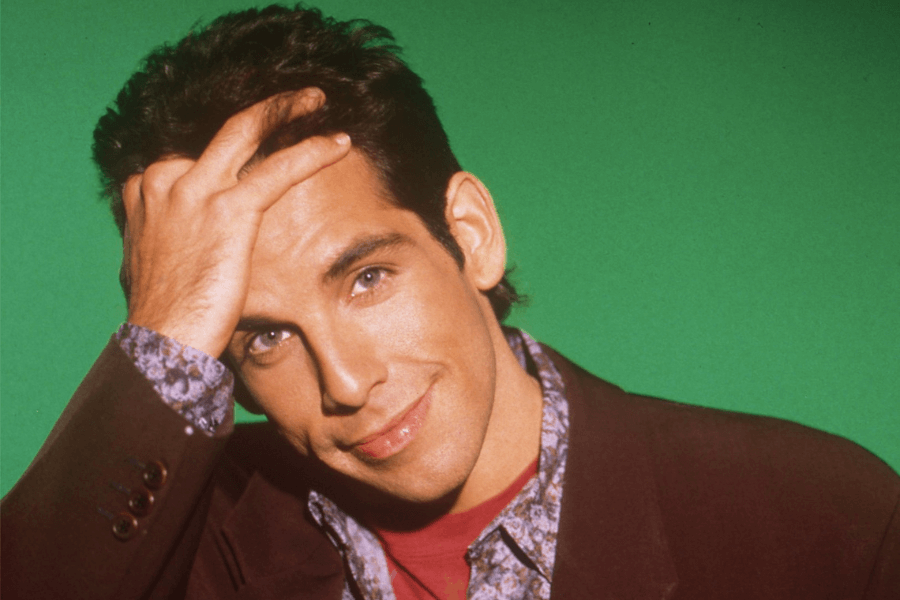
(349, 368)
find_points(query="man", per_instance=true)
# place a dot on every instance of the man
(289, 203)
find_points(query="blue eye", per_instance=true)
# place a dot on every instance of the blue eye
(265, 341)
(367, 280)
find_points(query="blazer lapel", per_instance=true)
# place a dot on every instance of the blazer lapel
(611, 538)
(271, 547)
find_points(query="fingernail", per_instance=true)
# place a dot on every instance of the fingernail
(342, 138)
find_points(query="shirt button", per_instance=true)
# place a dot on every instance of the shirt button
(154, 475)
(140, 503)
(124, 526)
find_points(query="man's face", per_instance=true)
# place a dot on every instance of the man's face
(363, 341)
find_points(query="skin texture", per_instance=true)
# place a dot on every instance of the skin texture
(341, 312)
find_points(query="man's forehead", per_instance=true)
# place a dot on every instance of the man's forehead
(349, 185)
(333, 219)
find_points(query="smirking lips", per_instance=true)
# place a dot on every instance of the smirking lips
(399, 433)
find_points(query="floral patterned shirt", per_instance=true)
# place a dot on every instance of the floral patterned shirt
(193, 383)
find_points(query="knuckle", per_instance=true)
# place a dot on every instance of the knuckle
(161, 178)
(222, 206)
(259, 185)
(152, 186)
(281, 164)
(181, 189)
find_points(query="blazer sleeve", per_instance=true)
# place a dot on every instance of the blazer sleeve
(105, 506)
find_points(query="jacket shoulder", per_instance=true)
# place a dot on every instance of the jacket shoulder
(706, 437)
(744, 501)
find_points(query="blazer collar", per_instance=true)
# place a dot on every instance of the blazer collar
(612, 543)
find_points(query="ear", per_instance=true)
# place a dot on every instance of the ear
(475, 225)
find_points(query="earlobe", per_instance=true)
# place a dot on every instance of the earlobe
(474, 223)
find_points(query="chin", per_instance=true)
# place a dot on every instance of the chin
(423, 484)
(394, 498)
(403, 507)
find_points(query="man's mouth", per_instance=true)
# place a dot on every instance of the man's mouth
(399, 432)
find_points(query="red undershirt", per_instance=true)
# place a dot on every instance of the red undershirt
(430, 562)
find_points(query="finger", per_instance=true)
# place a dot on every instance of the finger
(237, 140)
(151, 188)
(159, 178)
(278, 173)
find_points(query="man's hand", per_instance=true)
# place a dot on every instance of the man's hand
(192, 225)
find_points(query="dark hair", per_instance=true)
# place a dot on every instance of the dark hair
(184, 93)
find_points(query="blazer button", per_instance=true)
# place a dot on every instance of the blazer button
(154, 475)
(140, 503)
(124, 526)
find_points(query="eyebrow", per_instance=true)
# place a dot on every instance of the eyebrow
(357, 249)
(255, 324)
(361, 248)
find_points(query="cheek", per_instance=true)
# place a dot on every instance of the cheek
(438, 319)
(444, 322)
(288, 396)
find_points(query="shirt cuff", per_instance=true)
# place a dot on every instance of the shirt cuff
(191, 382)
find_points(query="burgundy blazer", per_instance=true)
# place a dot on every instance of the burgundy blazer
(661, 501)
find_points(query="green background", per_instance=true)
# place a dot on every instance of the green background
(702, 197)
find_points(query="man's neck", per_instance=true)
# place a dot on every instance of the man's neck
(513, 437)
